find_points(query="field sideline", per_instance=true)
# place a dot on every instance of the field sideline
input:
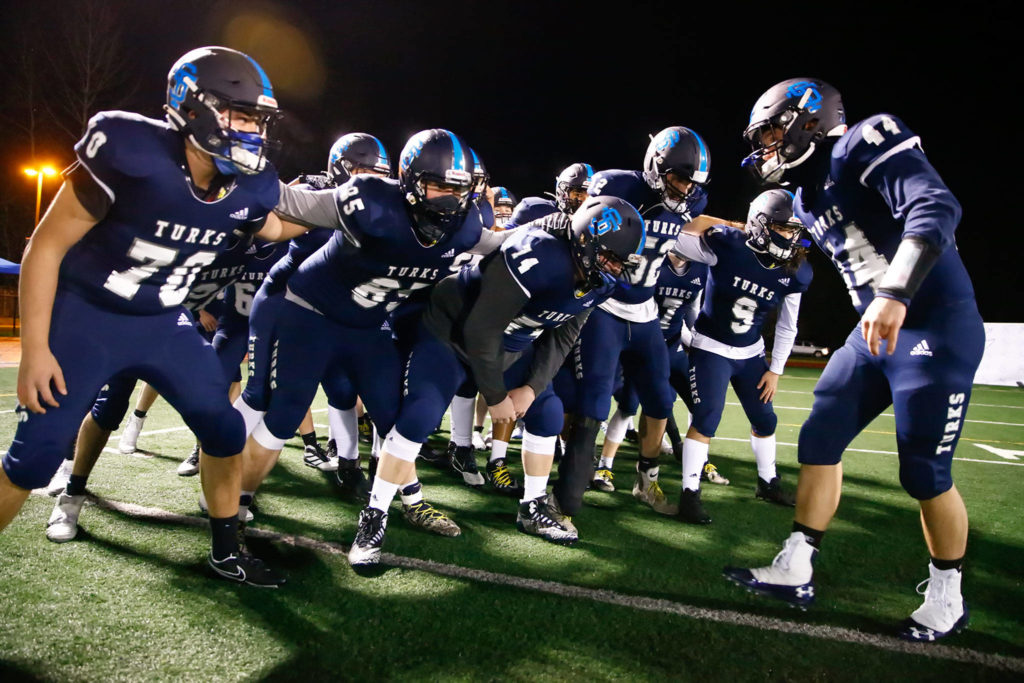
(640, 597)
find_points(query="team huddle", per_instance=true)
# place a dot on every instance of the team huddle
(412, 289)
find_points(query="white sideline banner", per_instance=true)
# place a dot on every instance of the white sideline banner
(1003, 362)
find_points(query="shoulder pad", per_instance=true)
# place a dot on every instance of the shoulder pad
(868, 144)
(530, 209)
(370, 204)
(628, 185)
(123, 143)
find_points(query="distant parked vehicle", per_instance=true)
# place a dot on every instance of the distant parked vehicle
(810, 349)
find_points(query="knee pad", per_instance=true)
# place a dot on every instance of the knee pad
(925, 476)
(112, 403)
(264, 437)
(541, 445)
(817, 445)
(401, 447)
(222, 434)
(765, 425)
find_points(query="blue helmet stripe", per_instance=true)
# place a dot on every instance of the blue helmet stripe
(458, 156)
(267, 89)
(381, 152)
(703, 168)
(590, 170)
(643, 233)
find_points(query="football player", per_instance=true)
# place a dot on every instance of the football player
(752, 273)
(509, 322)
(873, 202)
(164, 199)
(571, 187)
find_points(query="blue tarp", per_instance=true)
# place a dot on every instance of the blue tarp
(8, 267)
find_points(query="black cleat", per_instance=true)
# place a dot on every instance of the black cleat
(690, 508)
(351, 481)
(772, 492)
(463, 461)
(365, 550)
(435, 457)
(245, 568)
(501, 479)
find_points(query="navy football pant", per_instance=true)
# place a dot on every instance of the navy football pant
(93, 345)
(266, 306)
(928, 383)
(710, 376)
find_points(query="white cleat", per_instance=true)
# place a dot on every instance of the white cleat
(60, 478)
(943, 612)
(130, 435)
(63, 524)
(789, 577)
(666, 445)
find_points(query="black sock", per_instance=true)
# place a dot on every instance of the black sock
(76, 485)
(813, 535)
(309, 439)
(479, 429)
(672, 429)
(224, 531)
(140, 413)
(644, 464)
(957, 564)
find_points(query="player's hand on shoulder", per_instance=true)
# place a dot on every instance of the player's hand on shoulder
(503, 412)
(522, 398)
(768, 385)
(37, 370)
(208, 322)
(882, 320)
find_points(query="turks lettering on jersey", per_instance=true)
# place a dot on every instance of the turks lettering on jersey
(753, 288)
(954, 418)
(666, 228)
(183, 233)
(414, 271)
(828, 219)
(220, 273)
(536, 322)
(675, 293)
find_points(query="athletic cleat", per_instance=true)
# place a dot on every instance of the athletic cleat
(690, 508)
(652, 495)
(463, 461)
(206, 510)
(517, 432)
(666, 445)
(63, 524)
(555, 508)
(631, 435)
(60, 478)
(190, 466)
(501, 479)
(317, 458)
(365, 550)
(789, 576)
(711, 474)
(478, 441)
(944, 612)
(538, 519)
(426, 516)
(130, 435)
(772, 492)
(437, 458)
(602, 480)
(351, 480)
(332, 449)
(366, 429)
(245, 568)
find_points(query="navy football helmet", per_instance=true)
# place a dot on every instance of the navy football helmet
(575, 177)
(607, 235)
(441, 158)
(681, 151)
(788, 122)
(504, 205)
(480, 175)
(205, 88)
(769, 212)
(357, 152)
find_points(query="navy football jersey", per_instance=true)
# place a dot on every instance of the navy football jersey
(542, 265)
(881, 187)
(144, 254)
(662, 225)
(261, 257)
(359, 286)
(675, 295)
(486, 211)
(740, 291)
(530, 209)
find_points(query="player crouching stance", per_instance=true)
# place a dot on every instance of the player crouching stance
(509, 321)
(146, 206)
(873, 202)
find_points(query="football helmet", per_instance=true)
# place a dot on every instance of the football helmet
(773, 209)
(438, 157)
(681, 151)
(206, 88)
(357, 151)
(504, 205)
(480, 176)
(575, 177)
(787, 124)
(607, 235)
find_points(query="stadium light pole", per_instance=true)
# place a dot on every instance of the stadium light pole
(39, 173)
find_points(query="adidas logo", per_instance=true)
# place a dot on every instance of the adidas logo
(588, 304)
(921, 349)
(241, 214)
(695, 281)
(783, 280)
(184, 320)
(448, 254)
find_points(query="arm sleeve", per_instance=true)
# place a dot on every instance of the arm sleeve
(90, 195)
(689, 317)
(490, 241)
(310, 208)
(499, 302)
(551, 350)
(785, 333)
(694, 248)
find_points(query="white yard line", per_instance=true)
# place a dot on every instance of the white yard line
(637, 602)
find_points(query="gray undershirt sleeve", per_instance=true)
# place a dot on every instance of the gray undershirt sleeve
(309, 208)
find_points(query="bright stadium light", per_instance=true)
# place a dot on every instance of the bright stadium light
(39, 173)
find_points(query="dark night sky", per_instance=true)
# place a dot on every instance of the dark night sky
(536, 86)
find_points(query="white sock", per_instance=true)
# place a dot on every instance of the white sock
(344, 426)
(764, 453)
(463, 411)
(534, 487)
(382, 494)
(617, 425)
(695, 454)
(606, 463)
(498, 450)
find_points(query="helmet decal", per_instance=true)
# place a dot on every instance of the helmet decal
(413, 149)
(608, 221)
(180, 81)
(810, 96)
(458, 158)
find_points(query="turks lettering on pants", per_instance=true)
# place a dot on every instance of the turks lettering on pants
(954, 417)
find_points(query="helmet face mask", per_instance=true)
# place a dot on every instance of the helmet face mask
(223, 103)
(357, 153)
(679, 151)
(571, 187)
(772, 229)
(435, 175)
(607, 235)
